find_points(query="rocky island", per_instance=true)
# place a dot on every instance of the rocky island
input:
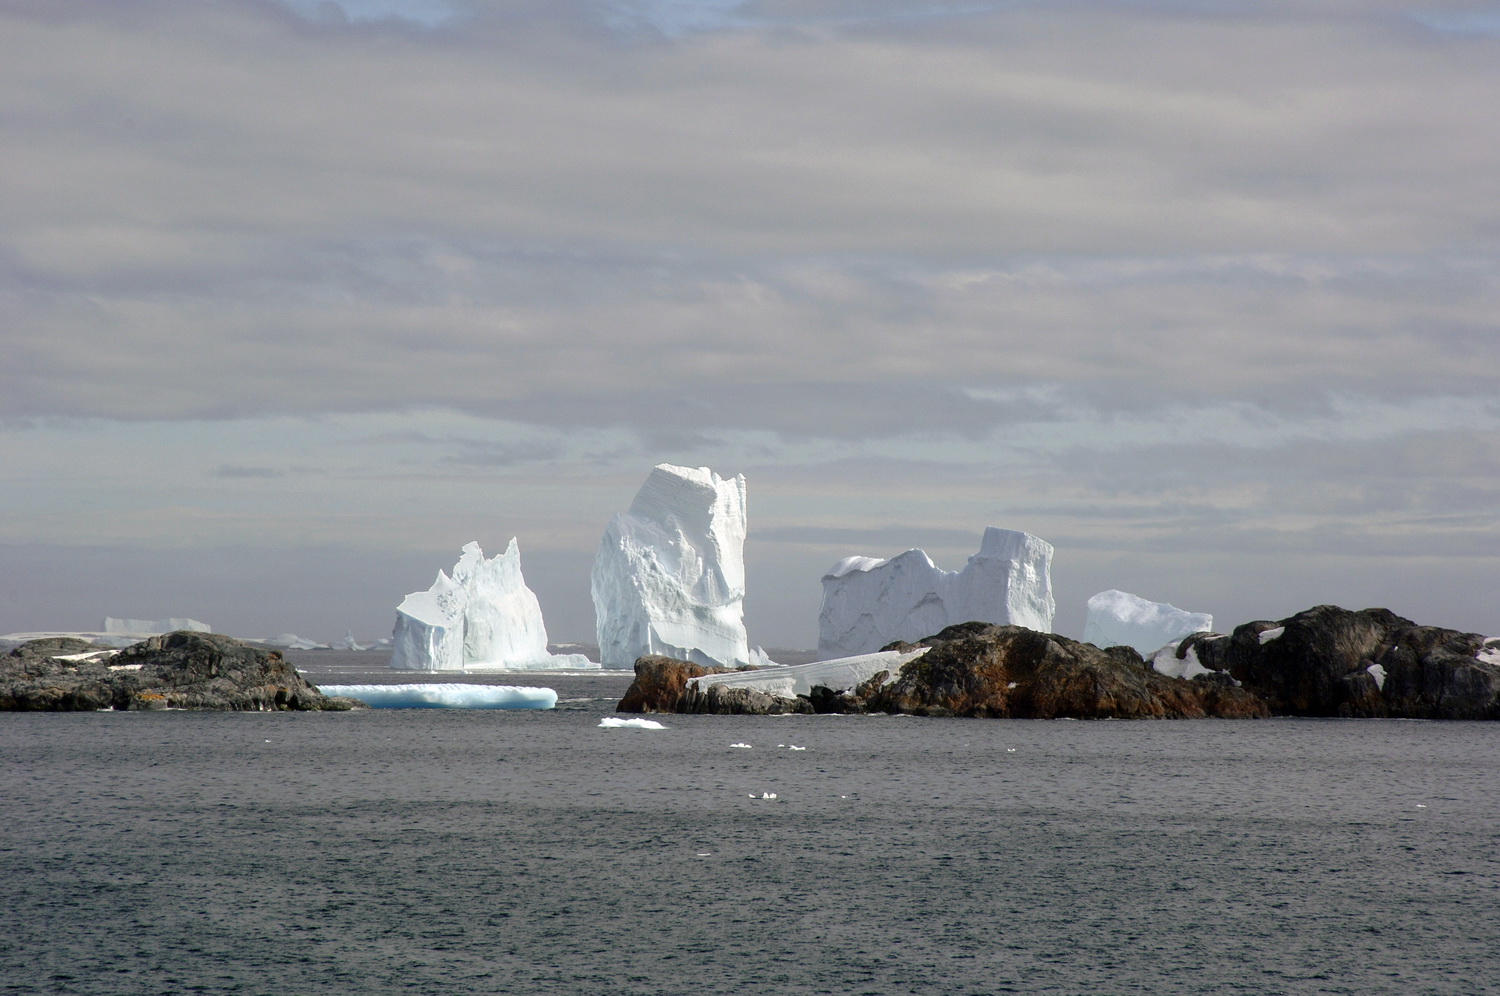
(182, 670)
(1325, 661)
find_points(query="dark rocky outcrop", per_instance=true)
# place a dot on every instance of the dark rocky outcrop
(659, 683)
(1325, 661)
(1018, 673)
(182, 670)
(972, 669)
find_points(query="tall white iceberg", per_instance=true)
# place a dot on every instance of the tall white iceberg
(1120, 619)
(868, 603)
(670, 574)
(483, 617)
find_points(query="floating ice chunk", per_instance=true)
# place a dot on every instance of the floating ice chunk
(1267, 635)
(670, 574)
(1120, 619)
(1378, 673)
(348, 642)
(446, 695)
(868, 603)
(291, 641)
(616, 723)
(741, 746)
(153, 627)
(792, 680)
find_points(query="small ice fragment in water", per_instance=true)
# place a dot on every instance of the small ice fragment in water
(616, 723)
(745, 746)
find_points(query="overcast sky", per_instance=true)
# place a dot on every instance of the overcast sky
(298, 297)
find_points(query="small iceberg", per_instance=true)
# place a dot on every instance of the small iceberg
(446, 695)
(616, 723)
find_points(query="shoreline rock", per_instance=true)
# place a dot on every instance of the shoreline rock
(1371, 663)
(182, 670)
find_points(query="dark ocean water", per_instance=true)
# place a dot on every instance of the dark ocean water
(532, 852)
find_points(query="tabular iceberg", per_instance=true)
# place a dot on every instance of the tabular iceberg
(1120, 619)
(483, 617)
(153, 627)
(670, 575)
(868, 603)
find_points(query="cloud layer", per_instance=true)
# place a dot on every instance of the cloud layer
(1184, 279)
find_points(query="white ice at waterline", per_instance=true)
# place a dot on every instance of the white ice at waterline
(792, 680)
(868, 603)
(1120, 619)
(616, 723)
(669, 577)
(445, 695)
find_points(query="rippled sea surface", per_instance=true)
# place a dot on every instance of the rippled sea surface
(533, 852)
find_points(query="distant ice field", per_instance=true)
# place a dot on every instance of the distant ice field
(401, 851)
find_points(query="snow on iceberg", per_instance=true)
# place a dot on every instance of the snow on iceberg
(482, 618)
(670, 574)
(868, 603)
(789, 681)
(446, 695)
(1120, 619)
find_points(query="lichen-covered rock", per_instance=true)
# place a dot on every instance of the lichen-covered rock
(182, 670)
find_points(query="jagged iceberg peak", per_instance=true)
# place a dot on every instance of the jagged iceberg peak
(1120, 619)
(483, 617)
(869, 602)
(670, 575)
(503, 619)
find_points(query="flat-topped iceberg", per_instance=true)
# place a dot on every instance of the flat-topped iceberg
(1120, 619)
(445, 695)
(154, 627)
(869, 603)
(670, 575)
(482, 618)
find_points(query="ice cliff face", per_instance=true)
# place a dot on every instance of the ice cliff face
(670, 575)
(482, 617)
(1120, 619)
(868, 603)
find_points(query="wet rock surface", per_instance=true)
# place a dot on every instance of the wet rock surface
(182, 670)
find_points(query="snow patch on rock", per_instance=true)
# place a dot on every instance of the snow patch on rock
(791, 680)
(869, 603)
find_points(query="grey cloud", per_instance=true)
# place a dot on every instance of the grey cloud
(230, 470)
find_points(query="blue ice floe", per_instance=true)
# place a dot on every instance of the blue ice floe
(446, 695)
